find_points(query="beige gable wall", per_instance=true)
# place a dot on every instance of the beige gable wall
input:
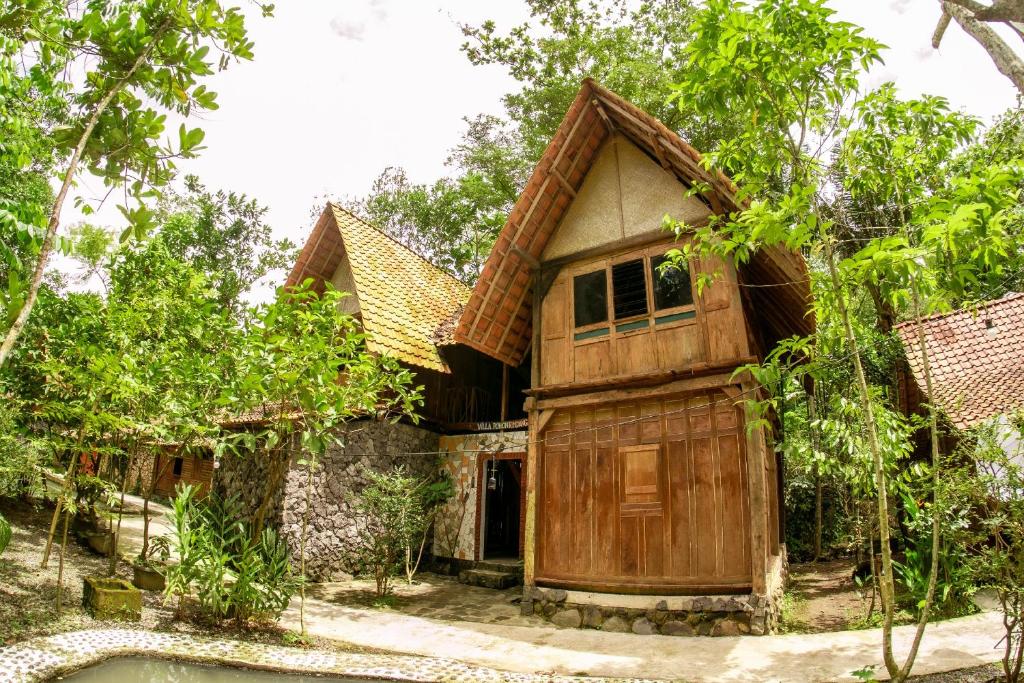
(344, 282)
(647, 193)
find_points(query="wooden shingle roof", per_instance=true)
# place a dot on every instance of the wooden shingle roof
(976, 358)
(497, 320)
(402, 297)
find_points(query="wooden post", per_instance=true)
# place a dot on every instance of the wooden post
(530, 466)
(758, 504)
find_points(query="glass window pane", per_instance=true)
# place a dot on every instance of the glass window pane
(671, 284)
(590, 298)
(629, 289)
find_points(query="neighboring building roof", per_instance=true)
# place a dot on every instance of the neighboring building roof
(976, 358)
(497, 320)
(402, 297)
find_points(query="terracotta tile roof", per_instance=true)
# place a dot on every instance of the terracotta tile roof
(402, 297)
(498, 321)
(976, 357)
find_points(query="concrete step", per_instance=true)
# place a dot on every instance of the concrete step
(507, 567)
(487, 578)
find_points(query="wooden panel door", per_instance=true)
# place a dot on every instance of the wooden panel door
(640, 510)
(645, 495)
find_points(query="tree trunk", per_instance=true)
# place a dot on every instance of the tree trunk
(58, 203)
(812, 415)
(60, 566)
(886, 588)
(120, 512)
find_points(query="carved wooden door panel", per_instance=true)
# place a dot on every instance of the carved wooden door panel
(641, 512)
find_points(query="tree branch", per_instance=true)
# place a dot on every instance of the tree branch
(1008, 62)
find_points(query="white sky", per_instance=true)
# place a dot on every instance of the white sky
(340, 90)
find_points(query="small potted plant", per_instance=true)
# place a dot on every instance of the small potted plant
(149, 568)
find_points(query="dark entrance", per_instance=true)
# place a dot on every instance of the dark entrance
(502, 508)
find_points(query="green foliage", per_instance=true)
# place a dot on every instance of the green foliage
(231, 573)
(5, 534)
(395, 511)
(223, 235)
(142, 60)
(954, 585)
(20, 456)
(987, 488)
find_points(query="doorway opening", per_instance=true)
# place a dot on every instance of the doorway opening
(503, 498)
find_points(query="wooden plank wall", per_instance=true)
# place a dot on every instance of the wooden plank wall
(643, 495)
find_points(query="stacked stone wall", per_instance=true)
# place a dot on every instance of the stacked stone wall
(332, 536)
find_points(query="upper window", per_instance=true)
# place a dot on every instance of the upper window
(671, 284)
(590, 298)
(178, 462)
(629, 289)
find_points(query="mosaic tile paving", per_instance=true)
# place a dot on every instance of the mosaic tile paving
(42, 659)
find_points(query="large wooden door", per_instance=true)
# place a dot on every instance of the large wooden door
(645, 495)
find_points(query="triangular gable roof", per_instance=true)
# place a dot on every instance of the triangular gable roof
(402, 297)
(976, 358)
(497, 320)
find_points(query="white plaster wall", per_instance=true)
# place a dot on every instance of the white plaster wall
(622, 173)
(344, 282)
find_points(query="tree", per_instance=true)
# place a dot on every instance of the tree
(305, 365)
(789, 72)
(143, 58)
(225, 236)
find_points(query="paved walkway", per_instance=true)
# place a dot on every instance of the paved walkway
(954, 644)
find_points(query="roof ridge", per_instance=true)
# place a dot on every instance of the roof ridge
(1009, 296)
(339, 207)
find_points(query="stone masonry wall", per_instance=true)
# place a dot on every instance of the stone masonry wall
(700, 615)
(332, 535)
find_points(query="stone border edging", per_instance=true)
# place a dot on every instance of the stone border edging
(44, 658)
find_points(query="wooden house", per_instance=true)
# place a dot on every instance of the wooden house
(645, 489)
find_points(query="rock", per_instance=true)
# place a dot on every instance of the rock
(726, 627)
(673, 627)
(592, 617)
(615, 625)
(743, 627)
(644, 627)
(556, 594)
(662, 605)
(567, 618)
(550, 609)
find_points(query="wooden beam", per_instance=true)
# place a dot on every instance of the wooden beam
(603, 114)
(564, 183)
(659, 152)
(527, 257)
(681, 386)
(643, 379)
(756, 486)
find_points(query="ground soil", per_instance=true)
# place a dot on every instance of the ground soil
(28, 593)
(822, 597)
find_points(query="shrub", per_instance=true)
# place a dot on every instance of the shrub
(231, 574)
(5, 534)
(396, 511)
(20, 457)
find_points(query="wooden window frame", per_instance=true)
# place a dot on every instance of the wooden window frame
(680, 316)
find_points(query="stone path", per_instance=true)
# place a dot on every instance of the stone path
(43, 659)
(954, 644)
